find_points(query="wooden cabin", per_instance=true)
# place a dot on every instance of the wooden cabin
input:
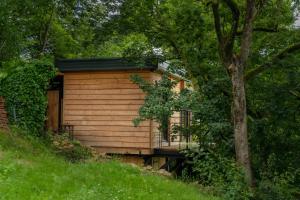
(3, 115)
(96, 101)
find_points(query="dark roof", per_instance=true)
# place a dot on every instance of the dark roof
(102, 64)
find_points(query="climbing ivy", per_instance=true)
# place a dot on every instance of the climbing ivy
(24, 88)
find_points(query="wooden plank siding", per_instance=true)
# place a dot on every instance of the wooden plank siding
(3, 115)
(53, 110)
(101, 106)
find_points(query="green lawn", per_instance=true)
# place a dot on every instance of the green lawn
(28, 170)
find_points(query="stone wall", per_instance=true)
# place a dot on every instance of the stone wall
(3, 115)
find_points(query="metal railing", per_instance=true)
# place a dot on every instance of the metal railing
(179, 135)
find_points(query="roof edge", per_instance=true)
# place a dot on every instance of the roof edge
(104, 64)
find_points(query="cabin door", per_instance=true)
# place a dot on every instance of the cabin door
(53, 110)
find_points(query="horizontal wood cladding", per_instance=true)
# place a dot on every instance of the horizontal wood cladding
(113, 133)
(98, 118)
(109, 128)
(3, 115)
(101, 86)
(103, 143)
(101, 112)
(117, 139)
(105, 96)
(103, 102)
(105, 91)
(101, 106)
(108, 123)
(97, 81)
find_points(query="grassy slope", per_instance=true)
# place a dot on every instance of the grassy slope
(30, 171)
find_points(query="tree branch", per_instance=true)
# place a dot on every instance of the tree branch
(235, 21)
(247, 31)
(254, 72)
(163, 28)
(226, 42)
(261, 29)
(46, 33)
(215, 9)
(295, 93)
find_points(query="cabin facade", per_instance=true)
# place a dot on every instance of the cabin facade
(3, 115)
(95, 100)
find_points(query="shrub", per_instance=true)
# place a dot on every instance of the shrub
(24, 89)
(211, 169)
(277, 187)
(70, 149)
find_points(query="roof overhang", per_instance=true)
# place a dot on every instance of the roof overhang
(103, 64)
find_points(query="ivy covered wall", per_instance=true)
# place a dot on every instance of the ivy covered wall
(25, 91)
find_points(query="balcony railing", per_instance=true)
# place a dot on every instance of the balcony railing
(178, 135)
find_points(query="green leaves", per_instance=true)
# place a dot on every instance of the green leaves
(31, 29)
(24, 90)
(160, 100)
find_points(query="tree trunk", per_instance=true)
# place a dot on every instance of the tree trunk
(239, 114)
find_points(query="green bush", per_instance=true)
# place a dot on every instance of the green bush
(70, 149)
(277, 187)
(226, 178)
(25, 88)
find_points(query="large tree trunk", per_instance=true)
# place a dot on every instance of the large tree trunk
(239, 114)
(235, 66)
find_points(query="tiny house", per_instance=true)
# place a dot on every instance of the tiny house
(96, 101)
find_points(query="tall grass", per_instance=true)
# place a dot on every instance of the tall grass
(29, 170)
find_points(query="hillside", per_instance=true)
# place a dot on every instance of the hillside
(28, 170)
